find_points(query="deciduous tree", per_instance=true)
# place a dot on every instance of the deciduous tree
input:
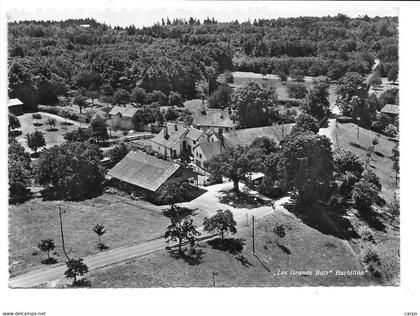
(75, 268)
(14, 122)
(47, 245)
(252, 102)
(70, 171)
(220, 223)
(35, 140)
(235, 163)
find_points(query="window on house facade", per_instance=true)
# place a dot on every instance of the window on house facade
(194, 142)
(201, 156)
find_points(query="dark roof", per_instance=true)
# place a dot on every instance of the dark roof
(194, 133)
(143, 170)
(13, 102)
(391, 109)
(125, 111)
(211, 117)
(246, 136)
(210, 149)
(175, 133)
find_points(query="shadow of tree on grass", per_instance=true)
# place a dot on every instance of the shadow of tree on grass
(193, 257)
(242, 199)
(231, 245)
(284, 249)
(326, 219)
(49, 261)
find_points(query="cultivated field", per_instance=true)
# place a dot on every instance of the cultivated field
(125, 220)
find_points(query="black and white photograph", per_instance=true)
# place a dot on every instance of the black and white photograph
(202, 145)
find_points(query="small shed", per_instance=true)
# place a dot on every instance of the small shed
(124, 117)
(15, 106)
(391, 110)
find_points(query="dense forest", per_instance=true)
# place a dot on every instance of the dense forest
(50, 58)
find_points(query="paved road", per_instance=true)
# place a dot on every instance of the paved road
(116, 255)
(93, 262)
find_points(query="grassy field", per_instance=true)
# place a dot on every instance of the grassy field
(302, 249)
(54, 137)
(345, 136)
(241, 78)
(126, 221)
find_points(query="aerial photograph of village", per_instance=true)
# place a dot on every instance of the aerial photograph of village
(204, 152)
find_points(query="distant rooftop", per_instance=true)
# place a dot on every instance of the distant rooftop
(392, 109)
(128, 111)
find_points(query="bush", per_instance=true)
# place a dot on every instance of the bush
(364, 195)
(296, 90)
(391, 130)
(371, 257)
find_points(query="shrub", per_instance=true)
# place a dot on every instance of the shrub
(372, 178)
(366, 234)
(364, 195)
(371, 256)
(391, 130)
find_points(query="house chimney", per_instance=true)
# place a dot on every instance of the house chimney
(165, 131)
(221, 139)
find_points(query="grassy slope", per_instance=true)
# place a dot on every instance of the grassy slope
(382, 166)
(387, 241)
(126, 222)
(309, 249)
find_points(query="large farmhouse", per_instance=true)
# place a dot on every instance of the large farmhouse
(175, 139)
(144, 171)
(243, 137)
(205, 118)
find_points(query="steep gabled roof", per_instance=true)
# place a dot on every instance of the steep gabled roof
(391, 109)
(211, 117)
(246, 136)
(125, 111)
(143, 170)
(194, 133)
(175, 133)
(214, 118)
(210, 149)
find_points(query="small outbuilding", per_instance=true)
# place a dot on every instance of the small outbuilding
(123, 117)
(392, 110)
(15, 106)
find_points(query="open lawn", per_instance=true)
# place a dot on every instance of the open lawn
(241, 78)
(302, 249)
(125, 220)
(52, 137)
